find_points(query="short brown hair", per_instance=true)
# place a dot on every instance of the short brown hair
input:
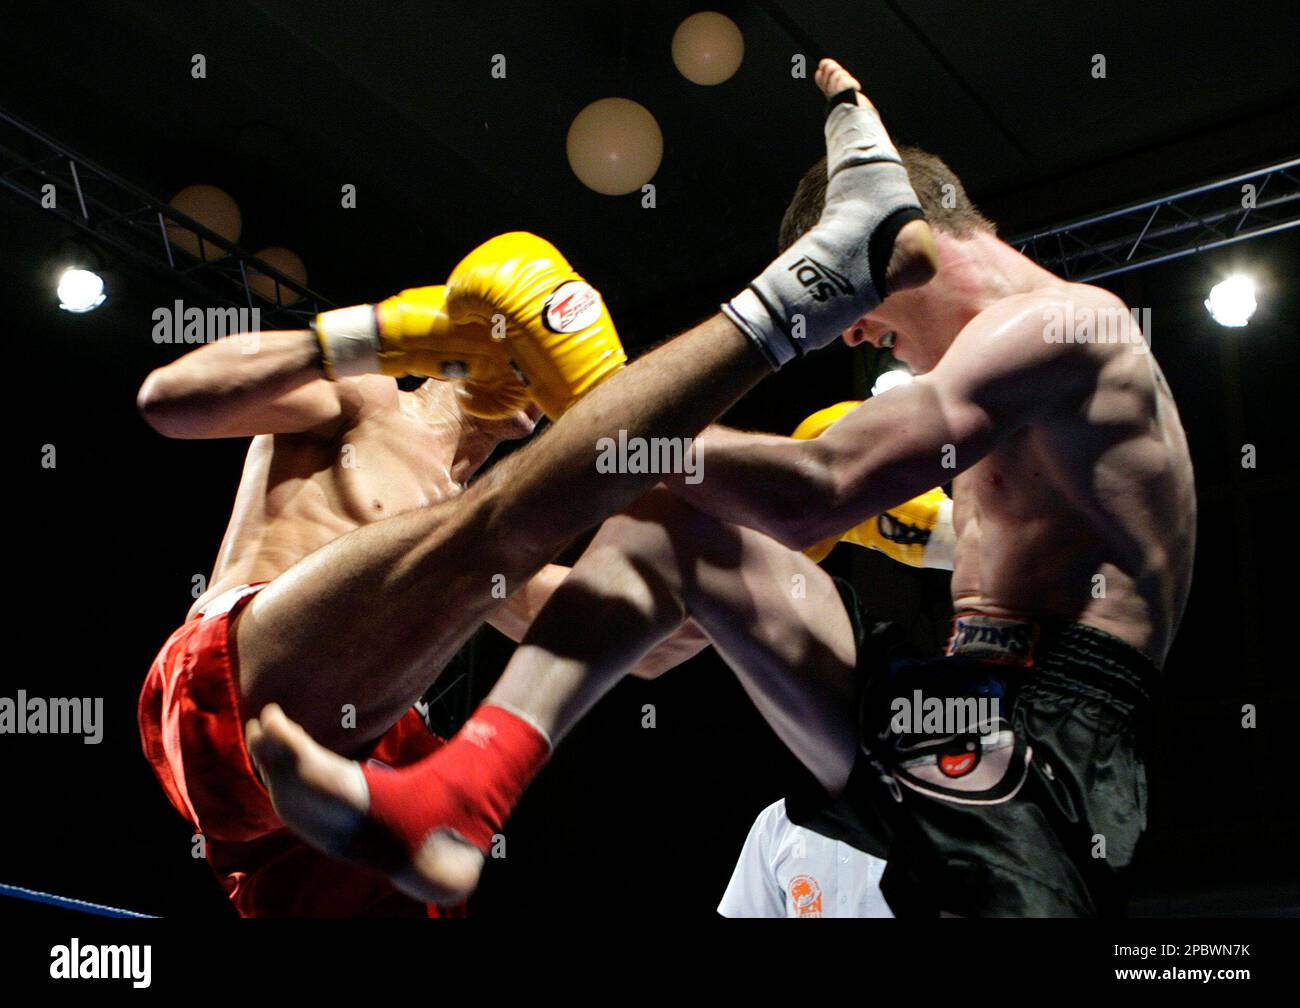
(930, 177)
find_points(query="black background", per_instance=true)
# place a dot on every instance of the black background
(625, 821)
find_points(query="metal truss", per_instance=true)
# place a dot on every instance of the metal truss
(113, 213)
(1184, 223)
(116, 214)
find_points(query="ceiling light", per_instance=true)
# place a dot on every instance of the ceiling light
(1232, 301)
(80, 291)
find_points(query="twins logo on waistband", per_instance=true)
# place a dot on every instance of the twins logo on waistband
(993, 638)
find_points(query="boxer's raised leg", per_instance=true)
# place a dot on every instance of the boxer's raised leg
(296, 632)
(775, 617)
(369, 619)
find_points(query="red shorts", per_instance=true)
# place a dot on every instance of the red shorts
(193, 735)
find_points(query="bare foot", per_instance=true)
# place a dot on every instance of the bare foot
(324, 799)
(833, 78)
(915, 259)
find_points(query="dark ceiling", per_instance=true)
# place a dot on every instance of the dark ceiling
(303, 96)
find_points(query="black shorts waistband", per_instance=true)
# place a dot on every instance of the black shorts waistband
(1075, 656)
(1053, 653)
(1057, 653)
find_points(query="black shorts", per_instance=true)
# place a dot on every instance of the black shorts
(1029, 807)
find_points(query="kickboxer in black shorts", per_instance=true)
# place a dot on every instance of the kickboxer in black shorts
(1032, 807)
(1073, 518)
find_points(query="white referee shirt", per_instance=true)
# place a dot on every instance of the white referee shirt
(789, 871)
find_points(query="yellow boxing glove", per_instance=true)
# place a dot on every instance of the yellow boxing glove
(918, 532)
(553, 325)
(411, 334)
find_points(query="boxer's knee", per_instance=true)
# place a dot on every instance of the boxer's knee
(671, 551)
(664, 528)
(629, 583)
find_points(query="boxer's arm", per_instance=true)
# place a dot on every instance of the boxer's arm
(999, 375)
(224, 390)
(730, 469)
(554, 485)
(518, 612)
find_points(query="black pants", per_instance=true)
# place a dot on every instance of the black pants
(1036, 811)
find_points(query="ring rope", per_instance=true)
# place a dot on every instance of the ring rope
(67, 902)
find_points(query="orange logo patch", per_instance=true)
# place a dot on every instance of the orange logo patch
(806, 895)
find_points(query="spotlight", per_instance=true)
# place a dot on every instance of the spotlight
(80, 291)
(1232, 301)
(890, 379)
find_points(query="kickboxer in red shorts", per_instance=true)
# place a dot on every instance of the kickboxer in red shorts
(378, 562)
(193, 734)
(356, 563)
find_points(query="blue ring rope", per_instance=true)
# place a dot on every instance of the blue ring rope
(66, 902)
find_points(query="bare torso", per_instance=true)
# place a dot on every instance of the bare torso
(1088, 514)
(300, 491)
